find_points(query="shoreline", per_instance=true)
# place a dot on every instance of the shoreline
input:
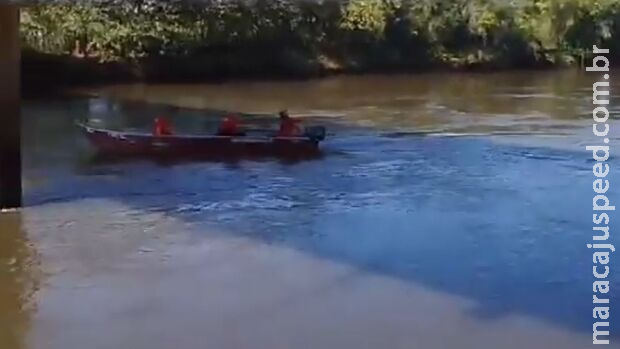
(44, 74)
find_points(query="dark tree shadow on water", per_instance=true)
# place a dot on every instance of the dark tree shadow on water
(503, 225)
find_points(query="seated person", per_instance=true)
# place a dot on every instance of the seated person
(162, 127)
(230, 127)
(289, 127)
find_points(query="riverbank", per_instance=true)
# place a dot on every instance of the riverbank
(44, 73)
(180, 42)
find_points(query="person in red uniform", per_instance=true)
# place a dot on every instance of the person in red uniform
(289, 127)
(229, 126)
(162, 127)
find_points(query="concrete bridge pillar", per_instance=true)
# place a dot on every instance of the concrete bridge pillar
(10, 122)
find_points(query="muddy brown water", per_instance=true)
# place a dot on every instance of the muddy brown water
(448, 211)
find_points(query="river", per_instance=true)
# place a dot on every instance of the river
(448, 211)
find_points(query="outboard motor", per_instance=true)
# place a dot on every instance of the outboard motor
(315, 133)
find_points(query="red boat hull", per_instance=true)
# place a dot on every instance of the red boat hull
(117, 143)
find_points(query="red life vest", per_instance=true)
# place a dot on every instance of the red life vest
(162, 127)
(229, 126)
(289, 128)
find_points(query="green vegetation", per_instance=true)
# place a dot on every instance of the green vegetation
(168, 39)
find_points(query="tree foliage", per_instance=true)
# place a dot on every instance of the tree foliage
(378, 32)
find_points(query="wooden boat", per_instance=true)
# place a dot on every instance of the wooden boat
(253, 143)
